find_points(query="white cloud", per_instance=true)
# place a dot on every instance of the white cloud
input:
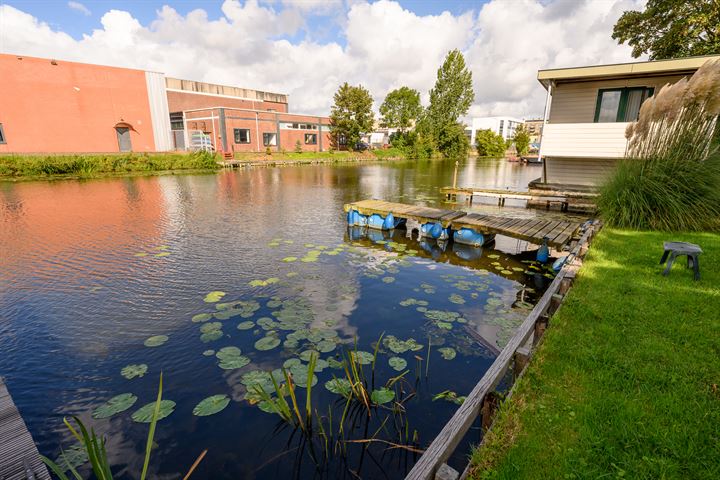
(385, 46)
(79, 7)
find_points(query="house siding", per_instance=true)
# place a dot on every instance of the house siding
(577, 171)
(575, 102)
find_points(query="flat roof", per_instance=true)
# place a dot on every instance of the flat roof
(621, 70)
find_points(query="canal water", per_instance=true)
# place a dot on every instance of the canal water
(215, 279)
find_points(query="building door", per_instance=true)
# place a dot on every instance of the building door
(123, 136)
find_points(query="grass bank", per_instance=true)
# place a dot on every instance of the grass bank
(625, 383)
(40, 166)
(336, 156)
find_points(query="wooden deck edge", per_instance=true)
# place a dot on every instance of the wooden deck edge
(445, 443)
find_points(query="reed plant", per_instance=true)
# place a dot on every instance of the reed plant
(94, 447)
(670, 178)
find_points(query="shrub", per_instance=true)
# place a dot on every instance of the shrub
(671, 178)
(298, 147)
(489, 144)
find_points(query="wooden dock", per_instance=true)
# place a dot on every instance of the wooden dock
(19, 457)
(566, 199)
(533, 230)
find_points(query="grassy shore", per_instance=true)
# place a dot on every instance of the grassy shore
(626, 381)
(39, 166)
(336, 156)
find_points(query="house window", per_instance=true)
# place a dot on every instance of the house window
(269, 139)
(502, 123)
(242, 135)
(342, 140)
(620, 104)
(176, 121)
(311, 139)
(2, 134)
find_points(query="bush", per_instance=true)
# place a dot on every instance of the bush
(489, 144)
(298, 147)
(663, 193)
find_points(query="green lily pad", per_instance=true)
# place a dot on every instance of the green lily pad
(307, 354)
(289, 259)
(201, 317)
(132, 371)
(116, 404)
(214, 296)
(448, 353)
(335, 364)
(445, 325)
(493, 256)
(458, 299)
(209, 353)
(145, 413)
(326, 346)
(292, 362)
(506, 272)
(246, 325)
(162, 254)
(339, 386)
(211, 336)
(227, 352)
(267, 343)
(72, 457)
(397, 363)
(382, 396)
(156, 340)
(388, 279)
(211, 327)
(141, 254)
(363, 358)
(211, 405)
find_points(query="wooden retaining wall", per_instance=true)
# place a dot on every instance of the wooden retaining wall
(517, 352)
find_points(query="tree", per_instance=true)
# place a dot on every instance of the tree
(450, 99)
(489, 143)
(522, 140)
(671, 28)
(351, 115)
(400, 108)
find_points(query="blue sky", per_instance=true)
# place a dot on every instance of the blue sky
(73, 21)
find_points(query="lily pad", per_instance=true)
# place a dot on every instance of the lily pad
(388, 279)
(132, 371)
(214, 296)
(247, 325)
(201, 317)
(211, 405)
(141, 254)
(209, 353)
(339, 386)
(267, 343)
(363, 358)
(211, 336)
(71, 457)
(145, 413)
(307, 354)
(397, 363)
(116, 404)
(445, 325)
(156, 340)
(292, 362)
(448, 353)
(381, 396)
(289, 259)
(162, 254)
(325, 346)
(211, 327)
(458, 299)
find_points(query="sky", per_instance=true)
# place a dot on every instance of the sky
(307, 48)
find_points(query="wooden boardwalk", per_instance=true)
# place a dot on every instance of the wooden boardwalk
(17, 448)
(559, 233)
(566, 199)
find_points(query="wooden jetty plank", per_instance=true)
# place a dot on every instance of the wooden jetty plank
(532, 192)
(401, 210)
(565, 235)
(545, 231)
(16, 444)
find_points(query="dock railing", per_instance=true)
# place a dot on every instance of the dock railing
(481, 398)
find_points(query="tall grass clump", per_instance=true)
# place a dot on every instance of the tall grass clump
(670, 178)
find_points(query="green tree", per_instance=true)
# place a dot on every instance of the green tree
(522, 140)
(298, 147)
(351, 115)
(450, 99)
(400, 108)
(671, 28)
(489, 143)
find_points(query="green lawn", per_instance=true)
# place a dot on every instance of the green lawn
(626, 383)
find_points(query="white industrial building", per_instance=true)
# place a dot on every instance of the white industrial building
(504, 126)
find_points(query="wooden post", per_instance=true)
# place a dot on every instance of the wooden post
(522, 356)
(489, 407)
(565, 285)
(555, 302)
(540, 326)
(457, 162)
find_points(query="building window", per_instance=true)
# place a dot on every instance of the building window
(311, 139)
(620, 104)
(2, 134)
(502, 124)
(269, 139)
(242, 135)
(342, 140)
(176, 121)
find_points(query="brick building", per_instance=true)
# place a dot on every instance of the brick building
(53, 106)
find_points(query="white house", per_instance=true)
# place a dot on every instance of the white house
(504, 126)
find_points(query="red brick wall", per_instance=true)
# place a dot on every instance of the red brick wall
(71, 107)
(181, 101)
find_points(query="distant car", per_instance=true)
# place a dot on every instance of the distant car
(361, 146)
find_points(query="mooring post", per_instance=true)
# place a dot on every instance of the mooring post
(540, 326)
(457, 162)
(489, 406)
(522, 355)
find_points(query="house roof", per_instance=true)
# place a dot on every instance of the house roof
(677, 66)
